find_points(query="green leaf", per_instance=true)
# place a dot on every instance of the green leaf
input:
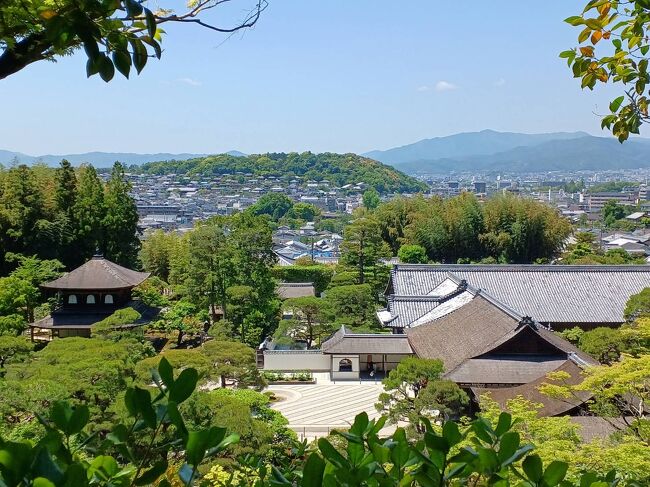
(615, 105)
(574, 20)
(42, 482)
(133, 8)
(555, 473)
(198, 443)
(151, 22)
(451, 433)
(139, 54)
(78, 420)
(106, 68)
(331, 454)
(503, 424)
(176, 418)
(532, 466)
(151, 475)
(166, 372)
(142, 400)
(122, 62)
(184, 385)
(75, 476)
(508, 445)
(312, 474)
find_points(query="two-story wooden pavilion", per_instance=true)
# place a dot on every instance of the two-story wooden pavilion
(87, 295)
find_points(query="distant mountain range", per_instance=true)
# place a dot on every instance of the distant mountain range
(100, 159)
(513, 152)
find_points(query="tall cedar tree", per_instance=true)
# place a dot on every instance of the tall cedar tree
(89, 212)
(121, 243)
(65, 195)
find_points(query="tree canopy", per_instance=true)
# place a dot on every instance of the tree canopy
(115, 34)
(612, 48)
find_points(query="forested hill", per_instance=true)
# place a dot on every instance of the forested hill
(338, 169)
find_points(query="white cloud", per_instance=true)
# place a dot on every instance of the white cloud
(445, 86)
(190, 81)
(500, 82)
(423, 88)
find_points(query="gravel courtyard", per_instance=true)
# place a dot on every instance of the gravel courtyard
(315, 409)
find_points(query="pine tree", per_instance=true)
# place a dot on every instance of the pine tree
(121, 243)
(89, 211)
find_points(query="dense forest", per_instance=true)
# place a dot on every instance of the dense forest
(66, 214)
(339, 169)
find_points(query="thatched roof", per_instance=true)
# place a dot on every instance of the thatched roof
(462, 334)
(97, 274)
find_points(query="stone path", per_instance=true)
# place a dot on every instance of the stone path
(313, 410)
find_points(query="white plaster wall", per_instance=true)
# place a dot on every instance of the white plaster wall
(295, 360)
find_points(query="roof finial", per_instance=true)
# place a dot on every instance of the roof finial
(527, 321)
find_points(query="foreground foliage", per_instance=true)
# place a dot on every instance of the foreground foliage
(157, 446)
(115, 34)
(613, 48)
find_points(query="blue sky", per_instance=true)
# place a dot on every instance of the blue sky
(331, 75)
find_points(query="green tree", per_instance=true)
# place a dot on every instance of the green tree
(233, 362)
(304, 211)
(114, 35)
(66, 189)
(181, 316)
(371, 199)
(242, 301)
(611, 212)
(604, 344)
(89, 211)
(309, 322)
(23, 213)
(318, 274)
(121, 243)
(262, 431)
(403, 387)
(12, 347)
(619, 391)
(210, 267)
(352, 305)
(275, 205)
(412, 254)
(638, 305)
(18, 298)
(156, 253)
(362, 245)
(441, 398)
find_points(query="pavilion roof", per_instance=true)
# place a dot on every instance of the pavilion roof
(97, 274)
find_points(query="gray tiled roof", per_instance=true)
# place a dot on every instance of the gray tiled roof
(345, 342)
(549, 293)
